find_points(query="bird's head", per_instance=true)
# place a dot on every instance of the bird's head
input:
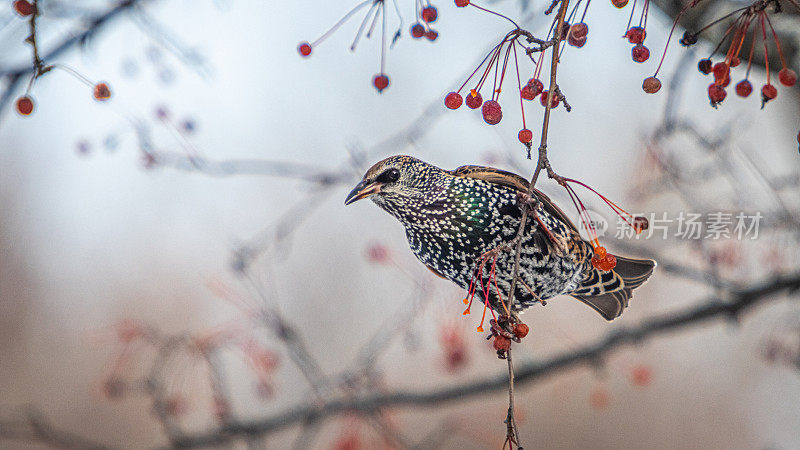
(394, 179)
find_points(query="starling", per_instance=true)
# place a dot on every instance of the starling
(453, 218)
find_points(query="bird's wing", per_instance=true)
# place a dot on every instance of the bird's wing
(514, 181)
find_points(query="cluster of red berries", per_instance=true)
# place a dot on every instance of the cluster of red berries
(603, 260)
(502, 337)
(422, 28)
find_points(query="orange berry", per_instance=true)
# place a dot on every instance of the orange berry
(501, 343)
(521, 330)
(25, 105)
(600, 252)
(101, 92)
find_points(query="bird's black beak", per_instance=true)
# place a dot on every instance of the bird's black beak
(362, 190)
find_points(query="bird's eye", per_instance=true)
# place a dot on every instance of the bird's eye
(389, 176)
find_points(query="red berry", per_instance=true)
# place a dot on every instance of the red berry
(377, 253)
(525, 135)
(304, 48)
(651, 85)
(553, 103)
(521, 330)
(528, 92)
(462, 3)
(640, 223)
(716, 94)
(25, 105)
(537, 85)
(640, 53)
(101, 92)
(501, 344)
(417, 30)
(768, 92)
(431, 35)
(576, 42)
(429, 14)
(787, 77)
(608, 263)
(474, 100)
(492, 113)
(721, 71)
(579, 30)
(636, 35)
(704, 66)
(619, 3)
(380, 82)
(23, 7)
(453, 100)
(596, 261)
(744, 88)
(600, 252)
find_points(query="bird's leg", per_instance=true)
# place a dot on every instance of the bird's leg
(528, 288)
(534, 205)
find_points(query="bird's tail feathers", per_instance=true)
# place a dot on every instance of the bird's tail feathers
(609, 293)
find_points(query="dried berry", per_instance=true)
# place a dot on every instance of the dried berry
(528, 92)
(576, 42)
(636, 35)
(721, 71)
(492, 113)
(429, 14)
(453, 100)
(521, 330)
(787, 77)
(579, 30)
(600, 252)
(640, 223)
(525, 135)
(688, 39)
(716, 94)
(704, 66)
(619, 3)
(744, 88)
(474, 100)
(304, 49)
(23, 7)
(651, 85)
(417, 30)
(537, 85)
(101, 92)
(640, 53)
(501, 344)
(431, 35)
(608, 263)
(380, 82)
(25, 105)
(553, 103)
(768, 92)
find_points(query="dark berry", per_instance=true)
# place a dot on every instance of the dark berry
(453, 100)
(768, 92)
(521, 330)
(744, 88)
(688, 39)
(651, 85)
(501, 344)
(576, 42)
(640, 223)
(619, 3)
(705, 66)
(721, 71)
(640, 53)
(462, 3)
(528, 92)
(537, 85)
(492, 113)
(431, 35)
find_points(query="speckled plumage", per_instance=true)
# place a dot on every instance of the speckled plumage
(453, 217)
